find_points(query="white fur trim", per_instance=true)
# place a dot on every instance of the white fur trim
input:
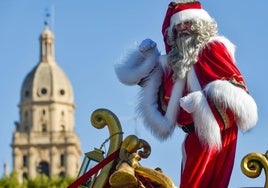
(174, 101)
(162, 126)
(240, 102)
(186, 15)
(148, 107)
(206, 126)
(196, 103)
(163, 59)
(135, 66)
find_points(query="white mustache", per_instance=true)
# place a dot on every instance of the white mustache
(184, 32)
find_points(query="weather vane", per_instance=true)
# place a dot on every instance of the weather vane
(49, 17)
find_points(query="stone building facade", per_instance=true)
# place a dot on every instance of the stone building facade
(44, 140)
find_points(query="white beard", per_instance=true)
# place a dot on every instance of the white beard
(183, 56)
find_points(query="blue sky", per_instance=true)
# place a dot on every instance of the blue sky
(90, 37)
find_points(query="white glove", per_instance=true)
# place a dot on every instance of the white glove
(147, 45)
(190, 102)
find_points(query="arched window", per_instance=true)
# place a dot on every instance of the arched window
(62, 128)
(26, 93)
(25, 175)
(44, 128)
(26, 114)
(62, 160)
(62, 174)
(25, 160)
(43, 168)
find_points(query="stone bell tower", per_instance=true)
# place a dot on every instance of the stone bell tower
(45, 140)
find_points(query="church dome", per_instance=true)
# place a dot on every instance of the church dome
(46, 81)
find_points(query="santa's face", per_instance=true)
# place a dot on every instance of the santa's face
(183, 29)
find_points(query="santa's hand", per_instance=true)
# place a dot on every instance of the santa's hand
(147, 45)
(190, 102)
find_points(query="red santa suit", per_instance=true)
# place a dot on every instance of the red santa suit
(204, 166)
(210, 103)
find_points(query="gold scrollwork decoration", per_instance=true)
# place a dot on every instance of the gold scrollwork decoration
(99, 119)
(128, 170)
(253, 163)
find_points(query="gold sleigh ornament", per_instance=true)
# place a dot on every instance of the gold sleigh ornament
(130, 174)
(124, 171)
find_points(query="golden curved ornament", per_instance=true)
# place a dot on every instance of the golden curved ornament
(129, 170)
(129, 146)
(99, 119)
(146, 149)
(132, 144)
(155, 176)
(253, 163)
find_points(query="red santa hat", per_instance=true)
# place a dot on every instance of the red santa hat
(181, 12)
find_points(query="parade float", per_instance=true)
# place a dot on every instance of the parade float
(120, 167)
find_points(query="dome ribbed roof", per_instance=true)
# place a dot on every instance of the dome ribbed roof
(47, 81)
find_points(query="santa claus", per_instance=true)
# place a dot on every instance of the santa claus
(196, 86)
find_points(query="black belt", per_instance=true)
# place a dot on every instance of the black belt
(188, 128)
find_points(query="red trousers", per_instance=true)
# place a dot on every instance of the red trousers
(204, 168)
